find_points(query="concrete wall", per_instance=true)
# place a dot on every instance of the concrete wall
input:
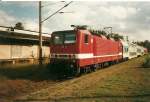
(5, 52)
(18, 51)
(46, 51)
(29, 51)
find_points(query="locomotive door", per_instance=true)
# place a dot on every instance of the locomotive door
(86, 49)
(88, 44)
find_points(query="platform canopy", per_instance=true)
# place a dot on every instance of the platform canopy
(15, 36)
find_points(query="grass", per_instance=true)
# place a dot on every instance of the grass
(27, 72)
(146, 63)
(16, 80)
(125, 82)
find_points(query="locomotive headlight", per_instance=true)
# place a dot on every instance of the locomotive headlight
(52, 56)
(69, 56)
(71, 65)
(74, 61)
(73, 56)
(56, 56)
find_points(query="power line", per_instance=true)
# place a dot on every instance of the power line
(65, 12)
(40, 26)
(56, 11)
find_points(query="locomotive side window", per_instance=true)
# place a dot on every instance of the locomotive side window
(85, 38)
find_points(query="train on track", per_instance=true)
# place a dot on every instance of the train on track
(77, 51)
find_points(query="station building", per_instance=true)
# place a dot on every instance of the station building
(21, 45)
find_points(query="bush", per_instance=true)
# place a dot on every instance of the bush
(147, 62)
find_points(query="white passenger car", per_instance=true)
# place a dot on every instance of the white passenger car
(140, 51)
(125, 44)
(132, 50)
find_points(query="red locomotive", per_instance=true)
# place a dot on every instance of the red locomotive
(79, 50)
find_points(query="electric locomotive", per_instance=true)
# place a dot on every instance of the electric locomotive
(79, 50)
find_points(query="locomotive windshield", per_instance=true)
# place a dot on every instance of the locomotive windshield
(58, 39)
(63, 38)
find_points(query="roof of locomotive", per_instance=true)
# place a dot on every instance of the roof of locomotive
(85, 31)
(66, 31)
(63, 31)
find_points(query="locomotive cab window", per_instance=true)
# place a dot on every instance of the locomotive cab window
(86, 38)
(58, 39)
(70, 38)
(67, 37)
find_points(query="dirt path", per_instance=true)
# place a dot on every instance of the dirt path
(125, 82)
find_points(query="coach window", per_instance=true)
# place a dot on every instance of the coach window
(86, 38)
(127, 49)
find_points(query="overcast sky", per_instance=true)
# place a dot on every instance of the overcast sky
(127, 18)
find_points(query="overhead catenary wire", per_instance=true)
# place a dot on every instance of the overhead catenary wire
(66, 12)
(57, 11)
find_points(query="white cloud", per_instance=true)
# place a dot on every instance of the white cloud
(127, 18)
(29, 24)
(34, 25)
(121, 12)
(21, 4)
(100, 14)
(6, 19)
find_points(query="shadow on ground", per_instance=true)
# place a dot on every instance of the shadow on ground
(29, 72)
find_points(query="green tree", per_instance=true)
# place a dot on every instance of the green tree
(145, 44)
(19, 26)
(115, 36)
